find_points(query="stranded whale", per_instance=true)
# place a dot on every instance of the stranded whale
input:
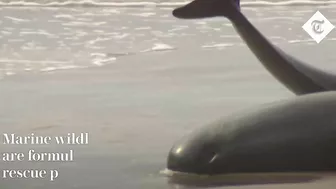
(294, 135)
(297, 76)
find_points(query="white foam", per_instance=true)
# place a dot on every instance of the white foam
(98, 54)
(121, 36)
(33, 47)
(145, 14)
(94, 47)
(219, 45)
(100, 59)
(98, 39)
(34, 61)
(90, 3)
(64, 16)
(143, 28)
(300, 40)
(51, 68)
(159, 47)
(103, 61)
(229, 36)
(91, 24)
(39, 32)
(16, 19)
(309, 40)
(8, 73)
(290, 18)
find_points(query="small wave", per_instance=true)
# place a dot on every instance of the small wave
(98, 39)
(120, 54)
(38, 32)
(50, 68)
(145, 14)
(9, 73)
(16, 19)
(68, 16)
(309, 40)
(91, 24)
(98, 59)
(219, 45)
(300, 40)
(143, 28)
(89, 3)
(120, 35)
(34, 61)
(101, 59)
(160, 47)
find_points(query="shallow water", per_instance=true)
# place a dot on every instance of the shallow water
(146, 79)
(32, 39)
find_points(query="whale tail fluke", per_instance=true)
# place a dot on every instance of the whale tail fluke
(296, 75)
(207, 8)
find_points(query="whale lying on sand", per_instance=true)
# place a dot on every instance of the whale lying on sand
(294, 135)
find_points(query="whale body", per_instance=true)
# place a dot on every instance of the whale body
(298, 134)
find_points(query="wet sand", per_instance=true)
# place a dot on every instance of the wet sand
(135, 110)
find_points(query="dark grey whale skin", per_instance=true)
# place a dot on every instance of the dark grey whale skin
(297, 76)
(295, 135)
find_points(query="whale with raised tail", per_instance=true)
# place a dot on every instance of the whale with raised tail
(299, 77)
(294, 135)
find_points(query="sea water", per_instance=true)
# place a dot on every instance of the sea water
(51, 35)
